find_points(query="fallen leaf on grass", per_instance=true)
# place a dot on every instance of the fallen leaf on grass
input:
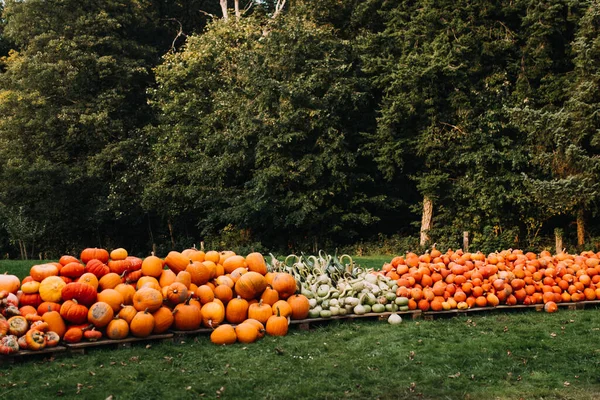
(92, 373)
(567, 384)
(553, 334)
(456, 375)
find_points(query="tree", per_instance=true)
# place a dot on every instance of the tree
(71, 97)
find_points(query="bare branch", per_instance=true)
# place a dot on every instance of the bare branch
(278, 8)
(207, 14)
(248, 6)
(179, 32)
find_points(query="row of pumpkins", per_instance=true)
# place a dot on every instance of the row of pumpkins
(439, 281)
(114, 295)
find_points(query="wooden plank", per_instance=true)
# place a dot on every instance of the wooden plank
(81, 346)
(26, 354)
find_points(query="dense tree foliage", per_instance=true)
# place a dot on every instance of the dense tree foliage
(150, 123)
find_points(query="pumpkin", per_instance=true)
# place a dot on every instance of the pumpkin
(117, 329)
(199, 273)
(55, 322)
(300, 306)
(118, 254)
(39, 325)
(223, 293)
(65, 259)
(142, 324)
(73, 270)
(109, 281)
(89, 279)
(9, 344)
(176, 293)
(22, 343)
(212, 256)
(132, 276)
(36, 340)
(47, 306)
(94, 253)
(282, 307)
(187, 317)
(73, 312)
(256, 263)
(198, 255)
(52, 339)
(83, 293)
(119, 266)
(147, 299)
(166, 277)
(111, 297)
(260, 311)
(285, 284)
(127, 291)
(550, 307)
(73, 335)
(176, 262)
(233, 262)
(236, 310)
(152, 266)
(184, 277)
(17, 325)
(127, 313)
(30, 299)
(251, 285)
(149, 281)
(25, 310)
(269, 296)
(30, 287)
(100, 314)
(205, 294)
(163, 320)
(41, 271)
(212, 314)
(136, 263)
(31, 318)
(3, 327)
(277, 325)
(224, 334)
(97, 268)
(92, 335)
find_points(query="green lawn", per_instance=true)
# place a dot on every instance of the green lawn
(530, 355)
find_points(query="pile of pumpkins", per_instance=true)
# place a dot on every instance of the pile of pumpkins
(114, 295)
(437, 281)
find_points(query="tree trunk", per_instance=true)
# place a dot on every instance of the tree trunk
(224, 9)
(238, 14)
(171, 232)
(465, 241)
(426, 219)
(558, 240)
(580, 227)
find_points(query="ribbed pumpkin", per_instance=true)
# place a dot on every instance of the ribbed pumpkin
(251, 285)
(213, 314)
(236, 310)
(147, 299)
(119, 266)
(136, 263)
(73, 270)
(152, 266)
(100, 314)
(73, 312)
(163, 320)
(51, 289)
(285, 284)
(109, 281)
(65, 259)
(47, 306)
(187, 317)
(300, 306)
(256, 263)
(83, 293)
(94, 253)
(176, 261)
(224, 334)
(41, 271)
(142, 324)
(97, 267)
(117, 329)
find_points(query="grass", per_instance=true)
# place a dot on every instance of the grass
(495, 356)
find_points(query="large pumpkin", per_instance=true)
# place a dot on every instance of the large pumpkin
(256, 262)
(111, 297)
(176, 261)
(224, 334)
(163, 319)
(251, 285)
(213, 314)
(236, 310)
(97, 268)
(73, 312)
(187, 317)
(117, 329)
(152, 266)
(73, 270)
(142, 324)
(83, 293)
(100, 314)
(119, 266)
(234, 262)
(199, 273)
(300, 306)
(41, 271)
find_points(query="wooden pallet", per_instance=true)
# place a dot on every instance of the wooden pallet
(81, 347)
(178, 336)
(49, 352)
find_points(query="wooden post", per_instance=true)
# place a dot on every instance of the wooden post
(466, 241)
(580, 227)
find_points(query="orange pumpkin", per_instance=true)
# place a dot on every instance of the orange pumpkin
(256, 263)
(236, 310)
(212, 314)
(224, 334)
(152, 266)
(117, 329)
(285, 284)
(142, 324)
(300, 306)
(252, 284)
(100, 314)
(147, 299)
